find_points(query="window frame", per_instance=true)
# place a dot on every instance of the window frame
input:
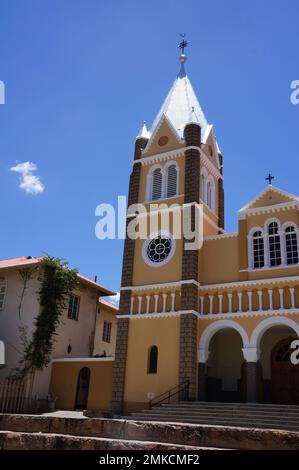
(70, 307)
(3, 285)
(106, 333)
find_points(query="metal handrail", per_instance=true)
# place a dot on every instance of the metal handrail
(182, 387)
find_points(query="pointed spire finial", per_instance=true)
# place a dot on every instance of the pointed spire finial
(144, 133)
(182, 58)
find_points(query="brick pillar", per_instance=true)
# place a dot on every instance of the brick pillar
(221, 196)
(189, 291)
(119, 369)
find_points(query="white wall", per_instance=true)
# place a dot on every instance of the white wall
(76, 333)
(101, 346)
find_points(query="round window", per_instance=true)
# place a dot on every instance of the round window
(159, 248)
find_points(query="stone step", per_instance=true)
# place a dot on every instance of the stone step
(11, 440)
(217, 422)
(243, 406)
(119, 430)
(225, 414)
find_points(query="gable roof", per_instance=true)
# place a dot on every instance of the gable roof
(23, 261)
(269, 188)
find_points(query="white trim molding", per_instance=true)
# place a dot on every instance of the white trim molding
(220, 236)
(212, 329)
(264, 325)
(255, 282)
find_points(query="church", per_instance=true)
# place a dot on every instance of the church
(216, 322)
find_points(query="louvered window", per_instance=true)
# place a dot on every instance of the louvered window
(157, 184)
(171, 181)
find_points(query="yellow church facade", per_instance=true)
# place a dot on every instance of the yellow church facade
(217, 321)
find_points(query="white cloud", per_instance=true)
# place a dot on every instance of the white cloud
(28, 182)
(114, 299)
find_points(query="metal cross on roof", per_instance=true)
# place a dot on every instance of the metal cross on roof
(270, 178)
(183, 44)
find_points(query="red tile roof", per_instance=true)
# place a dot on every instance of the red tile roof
(27, 261)
(108, 304)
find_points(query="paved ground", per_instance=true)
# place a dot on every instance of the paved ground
(65, 414)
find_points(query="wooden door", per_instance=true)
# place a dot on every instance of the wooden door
(284, 375)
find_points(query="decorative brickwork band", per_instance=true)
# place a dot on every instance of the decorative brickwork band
(220, 204)
(192, 134)
(119, 370)
(189, 297)
(125, 302)
(140, 145)
(188, 356)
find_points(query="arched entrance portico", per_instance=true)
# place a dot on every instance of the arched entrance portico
(223, 349)
(281, 378)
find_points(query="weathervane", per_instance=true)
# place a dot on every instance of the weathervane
(270, 178)
(183, 44)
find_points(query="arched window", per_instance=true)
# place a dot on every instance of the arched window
(210, 192)
(291, 245)
(172, 180)
(274, 244)
(157, 184)
(203, 185)
(258, 249)
(153, 360)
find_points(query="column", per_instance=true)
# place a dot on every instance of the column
(164, 295)
(148, 299)
(220, 297)
(172, 301)
(292, 294)
(139, 304)
(132, 305)
(249, 293)
(202, 299)
(270, 293)
(281, 298)
(240, 301)
(202, 374)
(260, 294)
(230, 295)
(156, 297)
(211, 297)
(251, 356)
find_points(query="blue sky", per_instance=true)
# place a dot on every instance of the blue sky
(82, 75)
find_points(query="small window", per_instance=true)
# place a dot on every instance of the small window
(258, 249)
(73, 311)
(291, 245)
(107, 331)
(153, 360)
(2, 295)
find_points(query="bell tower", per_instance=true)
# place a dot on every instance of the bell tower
(177, 163)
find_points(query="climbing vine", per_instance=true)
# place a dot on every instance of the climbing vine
(57, 282)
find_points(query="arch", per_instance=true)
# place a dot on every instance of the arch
(153, 360)
(264, 325)
(270, 221)
(203, 350)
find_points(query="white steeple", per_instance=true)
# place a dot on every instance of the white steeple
(143, 133)
(181, 105)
